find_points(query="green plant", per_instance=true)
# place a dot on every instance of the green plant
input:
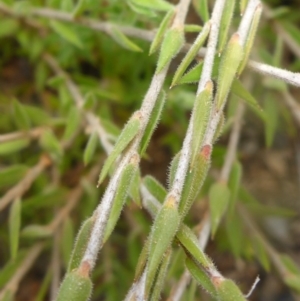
(62, 43)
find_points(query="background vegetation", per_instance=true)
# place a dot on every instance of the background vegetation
(72, 74)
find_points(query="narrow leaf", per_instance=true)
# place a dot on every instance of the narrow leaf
(80, 244)
(201, 114)
(121, 194)
(225, 24)
(73, 123)
(134, 190)
(192, 28)
(250, 38)
(36, 231)
(191, 54)
(161, 238)
(67, 32)
(229, 64)
(90, 148)
(173, 168)
(239, 90)
(201, 7)
(129, 132)
(49, 142)
(12, 174)
(152, 123)
(164, 25)
(21, 117)
(228, 291)
(171, 45)
(219, 195)
(14, 227)
(13, 146)
(194, 180)
(155, 188)
(75, 287)
(192, 76)
(159, 5)
(234, 184)
(200, 276)
(67, 240)
(122, 40)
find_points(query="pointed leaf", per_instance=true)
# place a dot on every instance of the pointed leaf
(36, 231)
(192, 76)
(161, 238)
(228, 291)
(142, 261)
(90, 148)
(159, 5)
(239, 90)
(75, 287)
(7, 148)
(121, 194)
(21, 117)
(261, 253)
(49, 142)
(122, 40)
(134, 190)
(129, 132)
(173, 168)
(171, 45)
(152, 123)
(190, 244)
(192, 28)
(73, 123)
(201, 7)
(12, 174)
(200, 276)
(155, 188)
(225, 24)
(191, 54)
(194, 180)
(164, 25)
(80, 244)
(229, 64)
(201, 114)
(67, 32)
(250, 38)
(219, 195)
(14, 227)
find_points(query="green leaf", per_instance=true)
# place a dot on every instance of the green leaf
(142, 261)
(121, 194)
(191, 54)
(219, 195)
(73, 123)
(161, 238)
(20, 116)
(80, 244)
(194, 180)
(192, 28)
(173, 168)
(250, 38)
(134, 190)
(159, 5)
(90, 148)
(152, 123)
(12, 174)
(155, 188)
(261, 253)
(239, 90)
(201, 7)
(122, 40)
(228, 291)
(192, 76)
(201, 115)
(67, 32)
(190, 244)
(225, 24)
(36, 231)
(80, 7)
(49, 142)
(67, 240)
(75, 287)
(14, 227)
(129, 132)
(200, 276)
(164, 25)
(171, 45)
(230, 61)
(7, 148)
